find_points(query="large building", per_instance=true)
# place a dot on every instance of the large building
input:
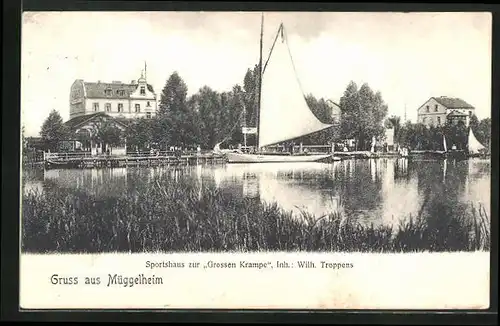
(134, 100)
(441, 110)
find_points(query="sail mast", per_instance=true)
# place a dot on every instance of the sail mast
(260, 83)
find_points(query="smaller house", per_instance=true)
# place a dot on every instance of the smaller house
(335, 111)
(96, 133)
(441, 110)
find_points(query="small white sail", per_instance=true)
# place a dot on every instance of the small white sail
(474, 145)
(373, 144)
(284, 113)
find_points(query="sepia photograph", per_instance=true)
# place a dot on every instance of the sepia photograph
(248, 133)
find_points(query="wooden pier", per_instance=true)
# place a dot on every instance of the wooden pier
(72, 160)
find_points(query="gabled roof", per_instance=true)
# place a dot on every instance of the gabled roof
(77, 122)
(453, 102)
(97, 90)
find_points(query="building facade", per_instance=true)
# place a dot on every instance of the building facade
(116, 99)
(442, 110)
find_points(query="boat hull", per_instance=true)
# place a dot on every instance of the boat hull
(269, 158)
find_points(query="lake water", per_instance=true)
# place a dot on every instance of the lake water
(378, 191)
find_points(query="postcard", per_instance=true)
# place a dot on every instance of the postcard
(255, 160)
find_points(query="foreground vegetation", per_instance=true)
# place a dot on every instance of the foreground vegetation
(178, 217)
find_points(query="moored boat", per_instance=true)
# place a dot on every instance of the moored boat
(282, 113)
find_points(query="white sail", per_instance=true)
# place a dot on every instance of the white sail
(284, 113)
(474, 145)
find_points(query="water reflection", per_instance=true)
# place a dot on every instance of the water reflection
(373, 191)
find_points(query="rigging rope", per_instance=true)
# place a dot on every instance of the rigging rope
(230, 133)
(293, 64)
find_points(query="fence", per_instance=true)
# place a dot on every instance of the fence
(32, 157)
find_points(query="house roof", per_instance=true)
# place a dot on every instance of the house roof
(81, 120)
(453, 102)
(97, 90)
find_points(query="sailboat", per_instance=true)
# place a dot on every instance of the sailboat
(474, 147)
(282, 113)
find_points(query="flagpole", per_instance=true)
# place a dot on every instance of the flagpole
(260, 83)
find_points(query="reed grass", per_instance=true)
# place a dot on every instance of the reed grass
(177, 216)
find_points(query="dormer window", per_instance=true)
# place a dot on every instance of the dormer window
(143, 90)
(120, 92)
(108, 92)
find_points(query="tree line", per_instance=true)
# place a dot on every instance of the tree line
(208, 117)
(421, 137)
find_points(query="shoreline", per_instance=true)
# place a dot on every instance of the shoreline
(182, 218)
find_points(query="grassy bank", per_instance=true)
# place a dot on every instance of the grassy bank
(177, 217)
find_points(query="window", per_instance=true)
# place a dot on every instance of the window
(143, 90)
(108, 92)
(108, 107)
(439, 121)
(137, 108)
(120, 92)
(435, 108)
(96, 107)
(424, 120)
(148, 104)
(427, 108)
(120, 107)
(470, 113)
(148, 115)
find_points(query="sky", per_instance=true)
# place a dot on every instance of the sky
(408, 57)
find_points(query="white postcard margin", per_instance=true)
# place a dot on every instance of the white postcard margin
(337, 281)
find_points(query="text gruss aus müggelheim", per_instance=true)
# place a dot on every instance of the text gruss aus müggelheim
(111, 279)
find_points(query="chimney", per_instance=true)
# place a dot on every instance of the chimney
(117, 82)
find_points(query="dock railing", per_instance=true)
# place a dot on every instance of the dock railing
(143, 154)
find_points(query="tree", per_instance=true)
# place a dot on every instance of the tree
(139, 133)
(235, 111)
(363, 113)
(53, 130)
(250, 100)
(481, 129)
(177, 116)
(209, 106)
(251, 89)
(109, 135)
(483, 132)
